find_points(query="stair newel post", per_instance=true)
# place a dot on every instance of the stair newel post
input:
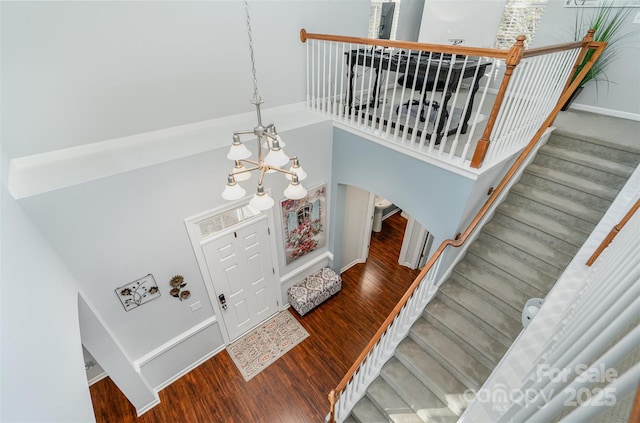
(332, 410)
(513, 59)
(588, 38)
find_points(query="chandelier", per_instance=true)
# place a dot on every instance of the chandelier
(271, 156)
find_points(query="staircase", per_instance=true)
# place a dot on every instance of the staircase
(463, 332)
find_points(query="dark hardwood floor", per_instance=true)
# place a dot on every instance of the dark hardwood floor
(293, 389)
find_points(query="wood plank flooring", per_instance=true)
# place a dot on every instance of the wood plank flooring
(293, 389)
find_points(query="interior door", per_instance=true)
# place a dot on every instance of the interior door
(241, 270)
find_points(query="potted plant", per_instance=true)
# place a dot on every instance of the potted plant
(606, 20)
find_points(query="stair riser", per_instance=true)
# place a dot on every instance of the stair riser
(527, 289)
(520, 267)
(558, 203)
(480, 354)
(597, 150)
(552, 213)
(512, 309)
(477, 372)
(543, 224)
(496, 334)
(580, 197)
(547, 259)
(524, 243)
(606, 178)
(441, 395)
(556, 243)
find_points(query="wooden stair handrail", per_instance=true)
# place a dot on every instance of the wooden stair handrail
(407, 45)
(612, 234)
(459, 241)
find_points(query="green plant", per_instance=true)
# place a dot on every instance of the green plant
(607, 21)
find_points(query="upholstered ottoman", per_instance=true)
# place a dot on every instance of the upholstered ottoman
(314, 290)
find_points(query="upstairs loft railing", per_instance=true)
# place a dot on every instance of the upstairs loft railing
(525, 105)
(436, 100)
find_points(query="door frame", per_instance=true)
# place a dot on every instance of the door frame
(196, 239)
(416, 245)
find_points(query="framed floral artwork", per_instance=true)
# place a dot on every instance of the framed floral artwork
(138, 292)
(303, 223)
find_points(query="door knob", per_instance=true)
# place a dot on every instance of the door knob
(223, 301)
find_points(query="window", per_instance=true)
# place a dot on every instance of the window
(374, 18)
(520, 17)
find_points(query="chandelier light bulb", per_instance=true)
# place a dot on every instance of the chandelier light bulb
(297, 169)
(238, 150)
(261, 200)
(295, 190)
(276, 157)
(268, 143)
(239, 172)
(233, 191)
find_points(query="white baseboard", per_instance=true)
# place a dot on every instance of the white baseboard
(141, 411)
(189, 368)
(606, 112)
(350, 265)
(97, 378)
(172, 343)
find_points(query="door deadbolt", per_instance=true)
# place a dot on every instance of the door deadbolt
(223, 301)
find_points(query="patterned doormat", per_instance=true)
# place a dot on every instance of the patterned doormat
(256, 350)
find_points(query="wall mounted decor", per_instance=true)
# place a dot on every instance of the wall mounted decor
(303, 223)
(177, 283)
(138, 292)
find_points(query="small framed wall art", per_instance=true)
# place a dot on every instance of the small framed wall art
(138, 292)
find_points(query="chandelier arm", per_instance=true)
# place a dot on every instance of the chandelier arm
(253, 162)
(273, 136)
(279, 169)
(263, 170)
(243, 132)
(246, 170)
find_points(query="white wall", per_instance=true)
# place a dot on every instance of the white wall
(93, 71)
(75, 73)
(43, 376)
(622, 94)
(409, 20)
(106, 349)
(474, 21)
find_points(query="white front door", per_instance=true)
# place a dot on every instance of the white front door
(240, 266)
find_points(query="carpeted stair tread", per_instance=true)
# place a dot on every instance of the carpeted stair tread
(587, 173)
(543, 236)
(500, 325)
(526, 243)
(421, 400)
(488, 288)
(432, 374)
(583, 198)
(390, 403)
(550, 212)
(599, 148)
(572, 181)
(457, 361)
(523, 286)
(588, 160)
(558, 202)
(465, 333)
(366, 412)
(518, 264)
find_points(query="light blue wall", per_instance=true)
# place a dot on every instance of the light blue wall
(434, 197)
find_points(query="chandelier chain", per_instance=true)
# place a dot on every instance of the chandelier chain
(256, 94)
